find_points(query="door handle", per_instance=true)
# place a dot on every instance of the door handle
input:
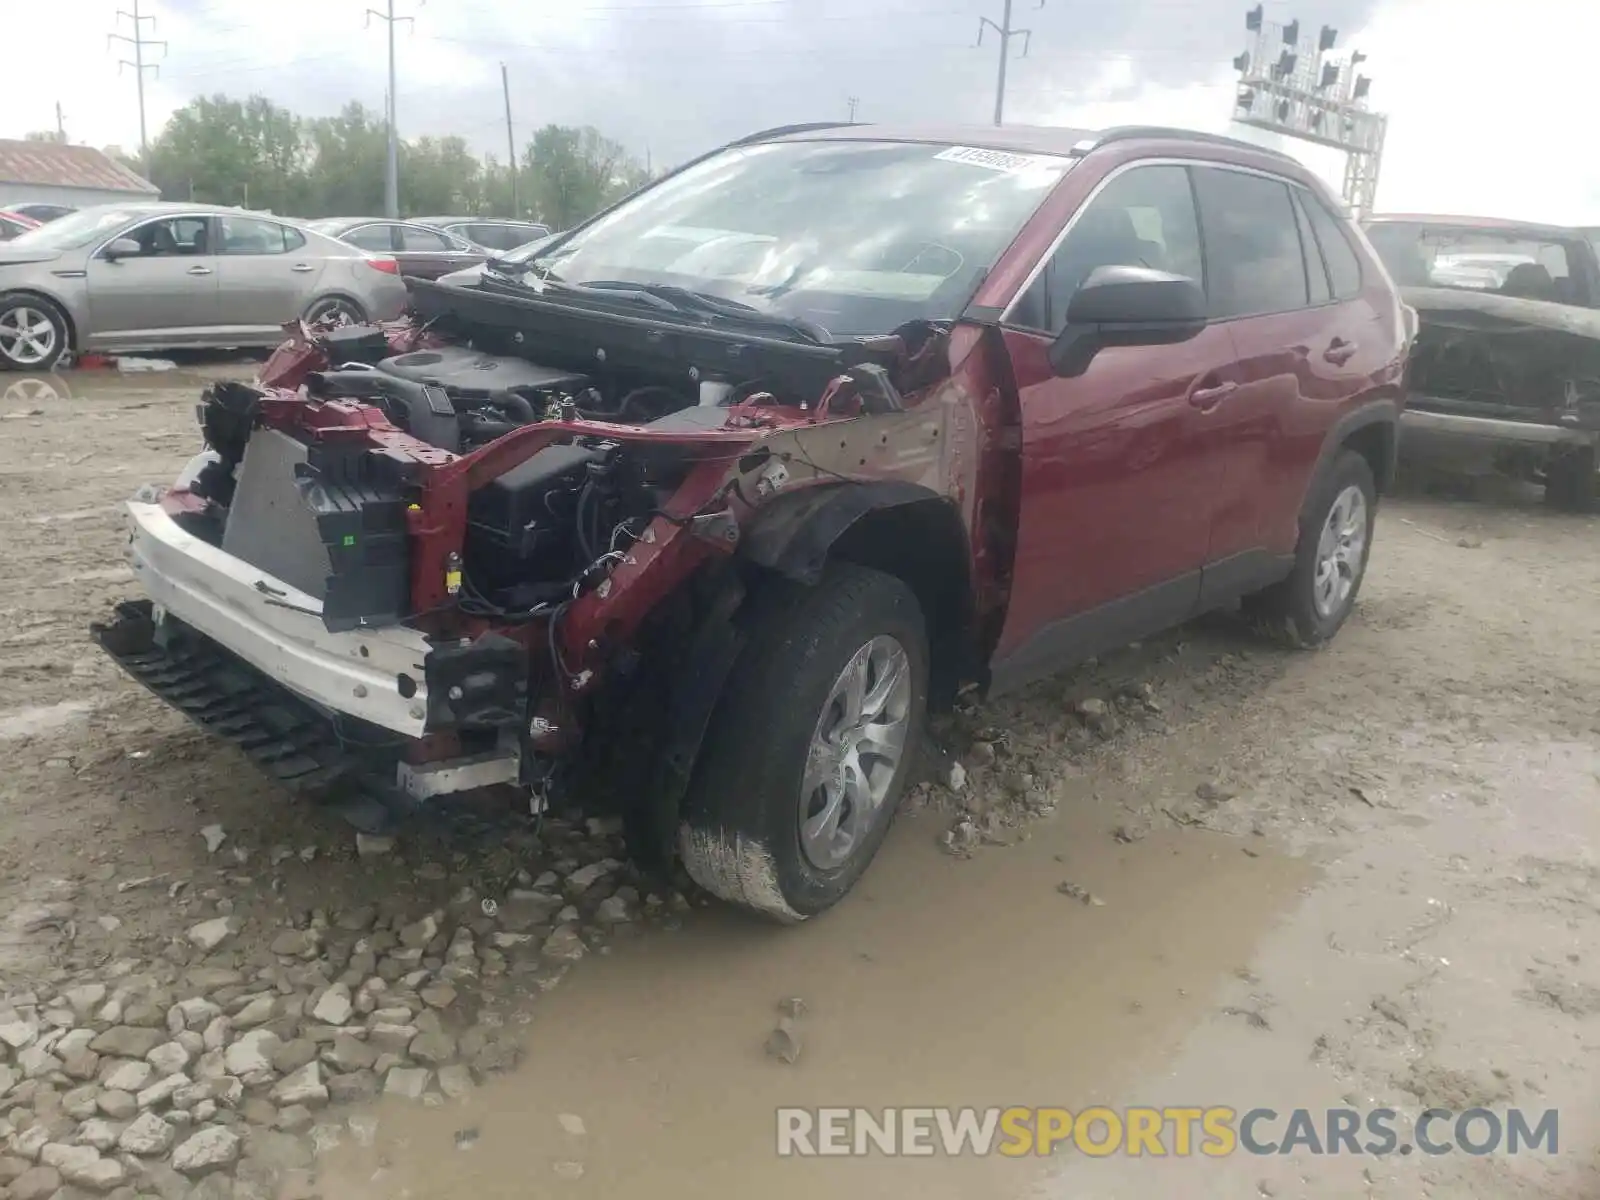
(1339, 352)
(302, 267)
(199, 270)
(1207, 398)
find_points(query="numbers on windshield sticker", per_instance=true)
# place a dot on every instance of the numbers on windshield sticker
(1000, 160)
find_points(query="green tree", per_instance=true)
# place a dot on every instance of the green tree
(349, 159)
(571, 173)
(440, 175)
(226, 151)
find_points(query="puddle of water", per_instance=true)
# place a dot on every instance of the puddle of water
(42, 718)
(940, 983)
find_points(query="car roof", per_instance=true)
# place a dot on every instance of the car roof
(1496, 224)
(1062, 140)
(154, 208)
(1018, 139)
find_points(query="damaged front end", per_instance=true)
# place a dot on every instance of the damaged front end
(507, 542)
(1500, 358)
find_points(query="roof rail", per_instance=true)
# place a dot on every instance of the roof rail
(1123, 133)
(778, 131)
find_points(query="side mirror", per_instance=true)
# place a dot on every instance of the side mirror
(122, 248)
(1127, 306)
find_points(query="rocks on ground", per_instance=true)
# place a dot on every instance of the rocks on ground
(234, 1050)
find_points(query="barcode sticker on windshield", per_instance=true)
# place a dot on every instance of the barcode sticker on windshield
(998, 160)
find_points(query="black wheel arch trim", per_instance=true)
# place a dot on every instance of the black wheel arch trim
(794, 533)
(1374, 412)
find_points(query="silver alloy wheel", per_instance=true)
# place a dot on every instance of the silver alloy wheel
(1341, 552)
(334, 311)
(27, 336)
(855, 752)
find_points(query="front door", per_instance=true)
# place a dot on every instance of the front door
(1117, 481)
(164, 295)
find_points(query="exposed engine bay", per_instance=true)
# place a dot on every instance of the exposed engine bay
(499, 540)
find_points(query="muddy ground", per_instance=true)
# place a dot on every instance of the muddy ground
(1360, 878)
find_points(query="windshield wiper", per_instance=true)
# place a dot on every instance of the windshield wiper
(685, 299)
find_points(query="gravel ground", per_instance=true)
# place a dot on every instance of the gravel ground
(1201, 871)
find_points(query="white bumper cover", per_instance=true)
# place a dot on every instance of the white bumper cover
(277, 628)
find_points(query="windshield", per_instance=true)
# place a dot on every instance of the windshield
(857, 237)
(74, 230)
(1510, 263)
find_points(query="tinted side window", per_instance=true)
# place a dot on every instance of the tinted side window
(414, 238)
(1253, 258)
(1344, 268)
(171, 236)
(1316, 267)
(245, 235)
(378, 238)
(1144, 217)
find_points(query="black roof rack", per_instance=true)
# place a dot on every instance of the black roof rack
(1123, 133)
(779, 131)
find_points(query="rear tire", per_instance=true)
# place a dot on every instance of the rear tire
(794, 790)
(335, 310)
(1314, 601)
(1569, 479)
(33, 333)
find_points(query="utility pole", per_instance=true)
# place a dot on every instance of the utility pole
(1006, 32)
(853, 101)
(391, 174)
(138, 41)
(61, 125)
(511, 141)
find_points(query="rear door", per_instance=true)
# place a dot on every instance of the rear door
(1296, 340)
(428, 254)
(1118, 481)
(166, 294)
(269, 273)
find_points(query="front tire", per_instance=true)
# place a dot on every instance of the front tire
(1569, 479)
(1306, 609)
(809, 750)
(33, 333)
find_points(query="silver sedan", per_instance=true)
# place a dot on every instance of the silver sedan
(123, 278)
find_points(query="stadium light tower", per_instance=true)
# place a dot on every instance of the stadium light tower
(1291, 82)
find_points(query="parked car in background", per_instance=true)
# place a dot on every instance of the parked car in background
(41, 212)
(153, 276)
(13, 223)
(716, 527)
(422, 251)
(492, 233)
(1507, 357)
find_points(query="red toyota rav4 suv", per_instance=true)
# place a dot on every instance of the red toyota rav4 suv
(697, 507)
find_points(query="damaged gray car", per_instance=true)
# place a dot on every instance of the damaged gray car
(1506, 360)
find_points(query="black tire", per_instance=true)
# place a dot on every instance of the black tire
(60, 335)
(740, 837)
(1569, 479)
(1288, 611)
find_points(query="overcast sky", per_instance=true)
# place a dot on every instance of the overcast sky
(1482, 111)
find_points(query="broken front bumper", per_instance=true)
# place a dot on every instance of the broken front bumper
(375, 675)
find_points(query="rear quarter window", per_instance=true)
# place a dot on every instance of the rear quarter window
(1344, 265)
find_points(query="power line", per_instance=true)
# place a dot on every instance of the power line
(1006, 31)
(391, 176)
(138, 41)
